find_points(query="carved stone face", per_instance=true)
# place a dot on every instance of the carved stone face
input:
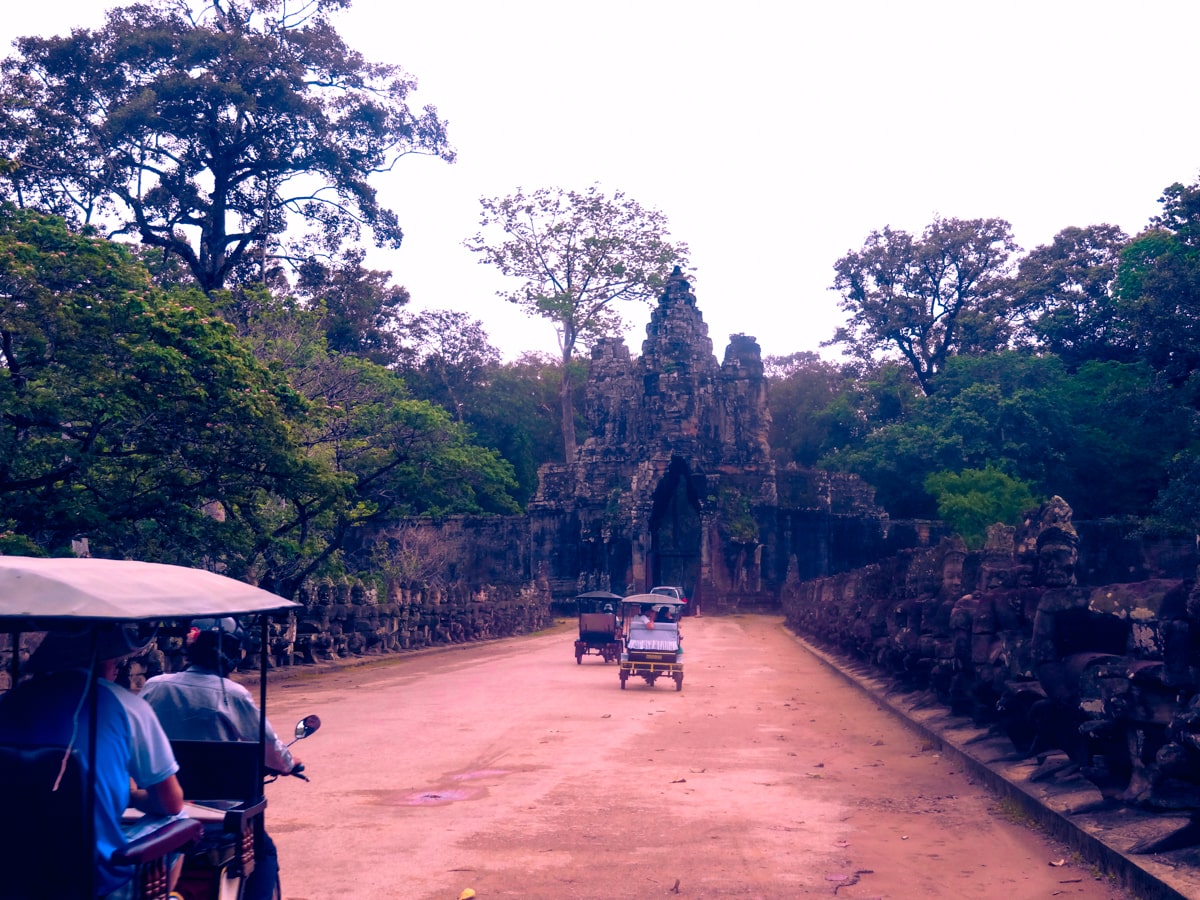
(952, 574)
(992, 577)
(1023, 576)
(1056, 564)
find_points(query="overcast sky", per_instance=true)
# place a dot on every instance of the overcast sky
(775, 136)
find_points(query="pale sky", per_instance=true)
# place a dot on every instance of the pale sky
(775, 136)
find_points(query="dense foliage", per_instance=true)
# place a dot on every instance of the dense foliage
(240, 390)
(225, 134)
(1072, 372)
(131, 416)
(972, 500)
(142, 421)
(577, 255)
(928, 297)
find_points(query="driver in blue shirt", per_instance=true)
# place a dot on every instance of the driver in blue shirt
(134, 763)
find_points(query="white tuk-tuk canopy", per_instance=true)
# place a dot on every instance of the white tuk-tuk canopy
(127, 590)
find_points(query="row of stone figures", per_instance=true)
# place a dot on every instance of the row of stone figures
(1110, 674)
(346, 619)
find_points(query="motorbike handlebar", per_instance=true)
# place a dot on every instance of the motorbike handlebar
(297, 770)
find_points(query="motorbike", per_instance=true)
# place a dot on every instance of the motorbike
(218, 867)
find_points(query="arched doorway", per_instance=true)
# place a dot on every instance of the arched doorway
(675, 530)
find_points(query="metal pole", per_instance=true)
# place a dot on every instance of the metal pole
(263, 622)
(93, 699)
(15, 662)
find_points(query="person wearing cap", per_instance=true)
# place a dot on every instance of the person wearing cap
(202, 704)
(134, 763)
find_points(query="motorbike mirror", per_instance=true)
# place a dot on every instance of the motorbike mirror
(307, 726)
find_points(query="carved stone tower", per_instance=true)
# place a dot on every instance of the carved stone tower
(674, 483)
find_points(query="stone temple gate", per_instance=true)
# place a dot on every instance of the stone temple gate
(675, 481)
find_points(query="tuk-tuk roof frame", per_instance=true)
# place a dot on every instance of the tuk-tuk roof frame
(652, 600)
(53, 592)
(599, 595)
(42, 594)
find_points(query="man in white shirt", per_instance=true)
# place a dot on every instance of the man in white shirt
(202, 704)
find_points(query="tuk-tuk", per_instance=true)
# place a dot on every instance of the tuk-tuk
(599, 626)
(652, 646)
(48, 845)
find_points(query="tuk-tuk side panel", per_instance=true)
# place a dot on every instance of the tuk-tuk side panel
(661, 636)
(597, 626)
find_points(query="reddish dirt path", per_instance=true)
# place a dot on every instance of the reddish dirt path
(507, 768)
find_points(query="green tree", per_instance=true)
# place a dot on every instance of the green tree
(927, 298)
(516, 411)
(361, 308)
(819, 408)
(971, 500)
(1063, 292)
(138, 419)
(1177, 506)
(210, 129)
(1030, 417)
(453, 359)
(810, 415)
(577, 255)
(131, 417)
(388, 453)
(1158, 286)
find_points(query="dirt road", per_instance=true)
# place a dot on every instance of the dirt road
(509, 769)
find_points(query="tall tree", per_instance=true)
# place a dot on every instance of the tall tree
(131, 417)
(516, 411)
(453, 358)
(390, 454)
(209, 129)
(928, 297)
(361, 308)
(808, 414)
(1063, 292)
(577, 254)
(1158, 286)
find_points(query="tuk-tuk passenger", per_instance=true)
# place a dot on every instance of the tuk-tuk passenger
(134, 763)
(201, 703)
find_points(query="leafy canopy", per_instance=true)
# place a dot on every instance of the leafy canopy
(929, 297)
(140, 420)
(210, 129)
(1158, 286)
(973, 499)
(576, 256)
(1064, 300)
(130, 416)
(1031, 418)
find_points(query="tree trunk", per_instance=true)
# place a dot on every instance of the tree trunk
(568, 414)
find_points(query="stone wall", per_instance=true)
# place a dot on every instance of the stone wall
(446, 581)
(1106, 673)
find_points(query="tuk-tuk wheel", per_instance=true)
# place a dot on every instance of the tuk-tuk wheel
(679, 682)
(578, 658)
(624, 678)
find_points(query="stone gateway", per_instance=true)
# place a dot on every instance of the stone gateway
(675, 482)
